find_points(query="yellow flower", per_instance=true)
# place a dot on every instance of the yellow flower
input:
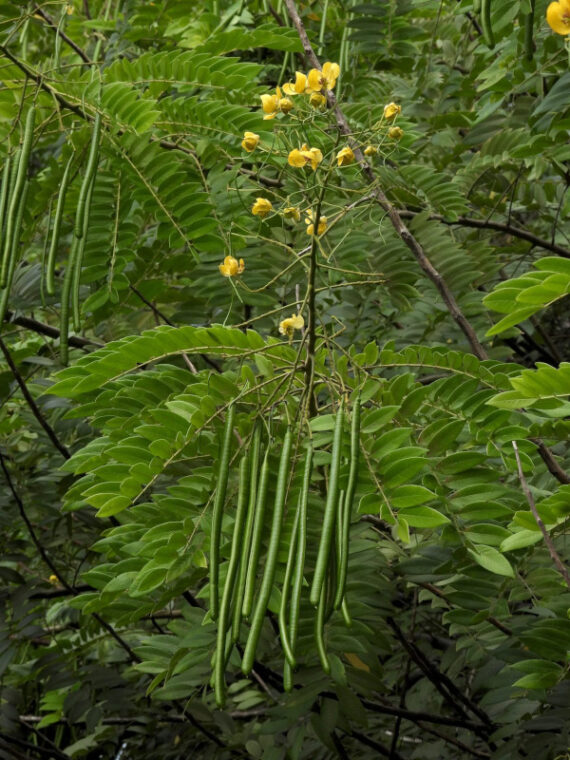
(395, 133)
(370, 150)
(392, 110)
(273, 104)
(69, 9)
(317, 100)
(298, 87)
(345, 156)
(292, 212)
(231, 267)
(261, 207)
(54, 580)
(285, 105)
(302, 156)
(250, 141)
(270, 106)
(325, 79)
(292, 323)
(310, 224)
(558, 17)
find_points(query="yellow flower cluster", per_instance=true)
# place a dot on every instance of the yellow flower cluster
(345, 156)
(273, 104)
(310, 222)
(558, 17)
(231, 267)
(304, 155)
(292, 323)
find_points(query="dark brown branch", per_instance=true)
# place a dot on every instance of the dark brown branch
(487, 224)
(454, 741)
(443, 684)
(380, 748)
(562, 569)
(440, 594)
(551, 463)
(51, 332)
(51, 23)
(36, 411)
(413, 716)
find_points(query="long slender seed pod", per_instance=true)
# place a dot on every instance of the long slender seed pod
(218, 511)
(338, 533)
(16, 194)
(225, 606)
(285, 643)
(299, 566)
(13, 253)
(271, 559)
(78, 263)
(4, 195)
(301, 548)
(50, 267)
(88, 177)
(346, 613)
(529, 31)
(319, 631)
(256, 537)
(347, 503)
(330, 511)
(486, 25)
(246, 543)
(6, 249)
(65, 298)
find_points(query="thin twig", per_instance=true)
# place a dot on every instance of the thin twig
(34, 408)
(562, 569)
(73, 45)
(51, 332)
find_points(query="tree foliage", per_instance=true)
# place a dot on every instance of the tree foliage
(285, 378)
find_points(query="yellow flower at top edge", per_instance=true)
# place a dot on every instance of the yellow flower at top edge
(298, 87)
(392, 110)
(231, 267)
(558, 17)
(250, 141)
(395, 133)
(261, 207)
(309, 221)
(345, 156)
(302, 156)
(292, 323)
(325, 79)
(271, 105)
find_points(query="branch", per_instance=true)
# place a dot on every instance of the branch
(380, 197)
(380, 748)
(52, 332)
(51, 434)
(74, 46)
(562, 569)
(487, 224)
(443, 684)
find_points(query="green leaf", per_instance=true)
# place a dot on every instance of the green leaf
(492, 560)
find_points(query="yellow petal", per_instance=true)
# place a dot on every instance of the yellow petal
(285, 105)
(392, 110)
(269, 103)
(250, 141)
(297, 158)
(315, 80)
(558, 17)
(261, 207)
